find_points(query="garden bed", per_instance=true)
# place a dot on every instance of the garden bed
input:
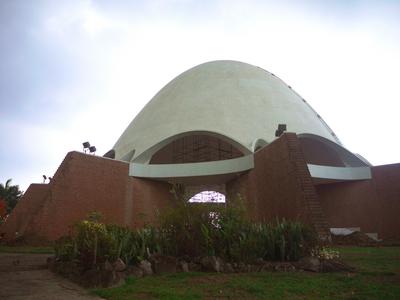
(377, 276)
(114, 274)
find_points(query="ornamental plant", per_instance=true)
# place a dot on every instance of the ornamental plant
(92, 242)
(190, 230)
(325, 253)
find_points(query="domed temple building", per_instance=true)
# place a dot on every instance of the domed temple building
(220, 130)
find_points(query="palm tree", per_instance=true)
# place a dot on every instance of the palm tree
(11, 194)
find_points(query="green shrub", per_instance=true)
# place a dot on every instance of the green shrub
(65, 248)
(92, 243)
(287, 240)
(189, 229)
(186, 229)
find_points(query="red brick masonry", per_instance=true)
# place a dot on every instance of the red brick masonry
(82, 184)
(373, 205)
(278, 186)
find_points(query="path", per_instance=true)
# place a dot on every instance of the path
(25, 276)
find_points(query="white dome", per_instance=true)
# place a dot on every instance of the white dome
(232, 99)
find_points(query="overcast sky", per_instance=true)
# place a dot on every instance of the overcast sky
(72, 71)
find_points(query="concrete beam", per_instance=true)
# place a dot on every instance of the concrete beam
(210, 168)
(326, 174)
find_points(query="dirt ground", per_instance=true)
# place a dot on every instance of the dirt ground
(25, 276)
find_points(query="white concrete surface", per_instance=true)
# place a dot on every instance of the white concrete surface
(219, 167)
(338, 173)
(239, 101)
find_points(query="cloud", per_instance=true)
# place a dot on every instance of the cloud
(81, 70)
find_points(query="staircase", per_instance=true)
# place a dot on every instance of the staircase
(311, 201)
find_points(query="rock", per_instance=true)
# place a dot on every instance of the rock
(309, 263)
(228, 268)
(259, 261)
(145, 266)
(284, 267)
(212, 264)
(193, 267)
(119, 265)
(104, 278)
(183, 266)
(221, 264)
(243, 268)
(117, 279)
(163, 264)
(68, 269)
(254, 268)
(91, 278)
(356, 238)
(334, 265)
(134, 271)
(51, 261)
(108, 266)
(266, 267)
(101, 278)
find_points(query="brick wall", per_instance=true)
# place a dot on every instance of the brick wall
(26, 210)
(85, 183)
(280, 185)
(373, 205)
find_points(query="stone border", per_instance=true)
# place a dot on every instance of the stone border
(114, 274)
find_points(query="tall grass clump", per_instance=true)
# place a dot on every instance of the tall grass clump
(92, 243)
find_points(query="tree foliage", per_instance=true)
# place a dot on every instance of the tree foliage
(10, 194)
(3, 210)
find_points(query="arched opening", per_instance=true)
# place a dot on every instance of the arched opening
(321, 151)
(258, 144)
(208, 197)
(195, 148)
(318, 153)
(110, 154)
(211, 199)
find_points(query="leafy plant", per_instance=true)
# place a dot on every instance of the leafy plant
(65, 249)
(325, 253)
(189, 229)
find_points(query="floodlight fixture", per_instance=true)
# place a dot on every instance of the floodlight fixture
(86, 145)
(92, 149)
(281, 129)
(44, 178)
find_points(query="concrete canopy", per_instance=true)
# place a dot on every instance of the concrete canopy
(235, 101)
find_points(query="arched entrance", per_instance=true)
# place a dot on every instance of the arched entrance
(208, 197)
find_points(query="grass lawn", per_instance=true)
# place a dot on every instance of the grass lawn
(377, 277)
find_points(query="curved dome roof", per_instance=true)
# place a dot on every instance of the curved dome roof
(241, 102)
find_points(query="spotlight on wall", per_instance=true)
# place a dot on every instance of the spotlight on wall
(281, 129)
(86, 146)
(44, 178)
(92, 149)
